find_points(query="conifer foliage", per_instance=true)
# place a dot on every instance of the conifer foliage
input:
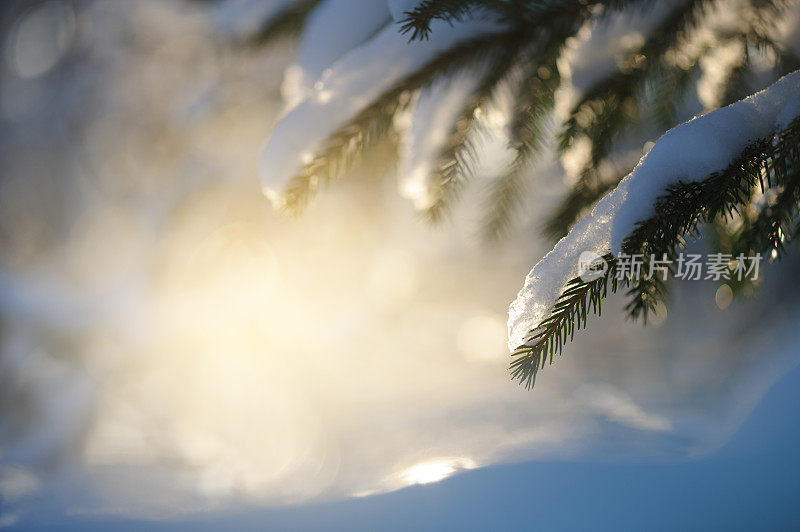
(645, 93)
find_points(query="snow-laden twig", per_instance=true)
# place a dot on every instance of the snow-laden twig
(351, 84)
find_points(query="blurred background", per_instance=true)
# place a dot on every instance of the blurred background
(169, 344)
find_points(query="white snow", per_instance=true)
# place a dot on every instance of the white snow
(428, 130)
(353, 83)
(327, 36)
(689, 152)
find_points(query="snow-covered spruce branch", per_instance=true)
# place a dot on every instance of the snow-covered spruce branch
(654, 88)
(605, 105)
(340, 148)
(429, 93)
(350, 82)
(569, 314)
(417, 21)
(704, 169)
(608, 109)
(535, 99)
(457, 157)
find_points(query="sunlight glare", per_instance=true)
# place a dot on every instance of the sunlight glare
(435, 470)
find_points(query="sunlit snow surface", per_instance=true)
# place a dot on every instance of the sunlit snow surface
(169, 344)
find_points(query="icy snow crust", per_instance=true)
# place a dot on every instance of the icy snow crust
(688, 152)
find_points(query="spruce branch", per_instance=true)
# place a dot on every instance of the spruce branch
(418, 20)
(667, 86)
(505, 199)
(342, 148)
(528, 136)
(586, 192)
(532, 13)
(771, 162)
(603, 114)
(682, 211)
(535, 50)
(517, 12)
(569, 314)
(655, 87)
(529, 129)
(456, 160)
(605, 109)
(777, 221)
